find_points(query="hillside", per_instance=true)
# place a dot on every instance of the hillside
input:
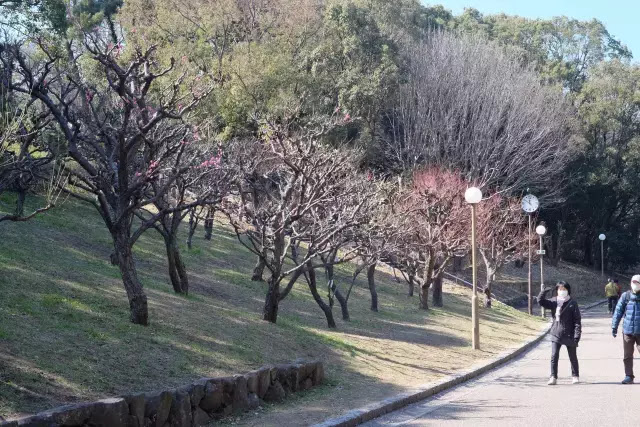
(65, 334)
(586, 284)
(511, 282)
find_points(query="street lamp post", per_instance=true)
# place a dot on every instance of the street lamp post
(473, 196)
(541, 230)
(602, 238)
(530, 205)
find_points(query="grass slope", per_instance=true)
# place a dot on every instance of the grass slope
(65, 335)
(511, 284)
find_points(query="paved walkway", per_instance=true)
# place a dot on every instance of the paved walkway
(517, 395)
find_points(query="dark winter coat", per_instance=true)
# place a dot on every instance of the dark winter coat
(629, 308)
(568, 330)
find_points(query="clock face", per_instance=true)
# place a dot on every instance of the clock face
(530, 203)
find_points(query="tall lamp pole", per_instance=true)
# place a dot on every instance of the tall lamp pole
(473, 196)
(530, 204)
(602, 238)
(541, 230)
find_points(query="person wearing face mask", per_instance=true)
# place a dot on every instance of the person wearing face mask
(628, 307)
(565, 330)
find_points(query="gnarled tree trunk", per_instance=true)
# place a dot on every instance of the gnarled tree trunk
(311, 280)
(425, 281)
(139, 310)
(491, 274)
(437, 290)
(208, 224)
(258, 270)
(22, 195)
(371, 280)
(412, 283)
(270, 311)
(423, 294)
(193, 225)
(272, 299)
(334, 288)
(177, 270)
(342, 301)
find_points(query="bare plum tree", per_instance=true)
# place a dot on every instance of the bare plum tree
(502, 236)
(304, 188)
(125, 131)
(467, 105)
(435, 229)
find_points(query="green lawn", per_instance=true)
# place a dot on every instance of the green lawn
(65, 334)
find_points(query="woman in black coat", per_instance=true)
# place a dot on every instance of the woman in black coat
(566, 328)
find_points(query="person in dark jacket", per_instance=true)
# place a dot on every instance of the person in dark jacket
(628, 307)
(565, 330)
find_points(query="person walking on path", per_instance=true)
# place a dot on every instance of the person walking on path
(566, 328)
(617, 282)
(611, 292)
(628, 307)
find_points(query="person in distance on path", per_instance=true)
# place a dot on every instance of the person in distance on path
(565, 330)
(628, 307)
(611, 293)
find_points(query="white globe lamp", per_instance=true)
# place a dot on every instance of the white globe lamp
(473, 195)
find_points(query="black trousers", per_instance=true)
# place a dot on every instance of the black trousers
(573, 357)
(612, 301)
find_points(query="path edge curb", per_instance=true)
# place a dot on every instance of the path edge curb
(378, 409)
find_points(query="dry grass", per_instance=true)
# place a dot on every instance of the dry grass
(586, 284)
(65, 335)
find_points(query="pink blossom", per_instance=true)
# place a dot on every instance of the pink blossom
(117, 49)
(138, 174)
(214, 161)
(347, 117)
(152, 168)
(133, 30)
(179, 106)
(184, 59)
(369, 176)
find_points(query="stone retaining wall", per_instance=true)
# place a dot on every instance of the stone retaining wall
(192, 405)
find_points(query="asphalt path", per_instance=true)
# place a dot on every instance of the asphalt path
(516, 394)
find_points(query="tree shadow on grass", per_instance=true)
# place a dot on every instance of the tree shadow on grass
(66, 316)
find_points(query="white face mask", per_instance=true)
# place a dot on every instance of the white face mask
(563, 294)
(635, 286)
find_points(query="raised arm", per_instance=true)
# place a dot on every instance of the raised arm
(544, 302)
